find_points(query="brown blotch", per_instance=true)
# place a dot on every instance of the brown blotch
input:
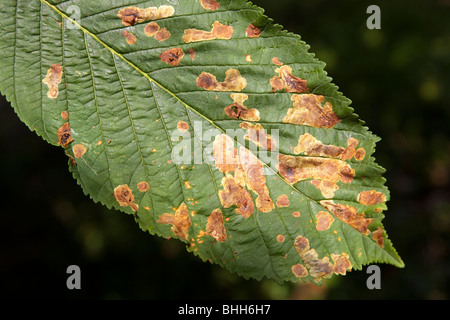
(321, 268)
(296, 214)
(252, 31)
(277, 61)
(218, 31)
(172, 56)
(53, 79)
(238, 110)
(131, 38)
(377, 236)
(349, 215)
(182, 126)
(124, 197)
(143, 186)
(371, 197)
(257, 134)
(234, 194)
(351, 151)
(210, 4)
(65, 115)
(225, 154)
(79, 150)
(151, 29)
(307, 110)
(162, 35)
(63, 133)
(180, 221)
(283, 201)
(280, 238)
(291, 83)
(233, 81)
(299, 270)
(323, 221)
(276, 83)
(132, 15)
(215, 226)
(192, 53)
(324, 172)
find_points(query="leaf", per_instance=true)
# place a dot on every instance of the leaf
(208, 123)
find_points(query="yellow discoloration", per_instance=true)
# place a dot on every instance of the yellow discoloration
(349, 215)
(371, 197)
(180, 221)
(321, 268)
(215, 226)
(283, 201)
(64, 136)
(257, 134)
(53, 79)
(124, 197)
(79, 150)
(131, 38)
(307, 110)
(233, 81)
(132, 15)
(323, 221)
(252, 31)
(324, 172)
(172, 56)
(210, 4)
(248, 58)
(218, 31)
(238, 110)
(143, 186)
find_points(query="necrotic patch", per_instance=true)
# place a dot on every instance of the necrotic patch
(215, 226)
(64, 136)
(172, 56)
(180, 221)
(79, 150)
(252, 31)
(238, 110)
(233, 81)
(210, 4)
(371, 197)
(218, 31)
(235, 194)
(53, 79)
(257, 134)
(377, 236)
(131, 38)
(132, 15)
(143, 186)
(182, 126)
(323, 221)
(299, 270)
(124, 197)
(283, 201)
(290, 82)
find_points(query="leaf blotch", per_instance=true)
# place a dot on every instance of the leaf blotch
(307, 110)
(257, 134)
(371, 197)
(182, 126)
(323, 221)
(64, 136)
(180, 221)
(53, 79)
(131, 38)
(132, 15)
(283, 201)
(172, 56)
(218, 31)
(215, 226)
(252, 31)
(377, 236)
(299, 270)
(79, 150)
(280, 238)
(238, 110)
(234, 193)
(277, 62)
(233, 81)
(210, 4)
(286, 80)
(143, 186)
(125, 197)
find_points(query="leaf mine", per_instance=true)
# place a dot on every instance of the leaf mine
(210, 4)
(233, 81)
(252, 31)
(53, 79)
(290, 82)
(218, 31)
(180, 221)
(307, 110)
(172, 56)
(238, 110)
(129, 37)
(143, 186)
(215, 226)
(377, 236)
(257, 134)
(79, 150)
(182, 126)
(125, 197)
(371, 197)
(283, 201)
(132, 15)
(323, 221)
(64, 136)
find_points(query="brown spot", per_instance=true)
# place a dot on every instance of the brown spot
(299, 270)
(63, 133)
(151, 29)
(192, 53)
(53, 79)
(291, 83)
(180, 221)
(124, 197)
(377, 236)
(252, 31)
(277, 61)
(162, 35)
(131, 38)
(349, 215)
(351, 151)
(79, 150)
(172, 56)
(237, 110)
(255, 179)
(132, 15)
(256, 133)
(323, 221)
(143, 186)
(324, 172)
(248, 58)
(215, 226)
(321, 268)
(296, 214)
(99, 143)
(283, 201)
(65, 115)
(310, 146)
(360, 154)
(307, 110)
(280, 238)
(234, 194)
(210, 4)
(218, 31)
(276, 83)
(369, 198)
(182, 126)
(225, 154)
(233, 81)
(187, 185)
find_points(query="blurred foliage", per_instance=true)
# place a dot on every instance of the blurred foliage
(398, 79)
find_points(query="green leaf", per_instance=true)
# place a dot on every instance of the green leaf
(147, 99)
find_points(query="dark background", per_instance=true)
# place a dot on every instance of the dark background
(398, 79)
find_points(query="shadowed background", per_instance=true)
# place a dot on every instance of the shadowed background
(398, 79)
